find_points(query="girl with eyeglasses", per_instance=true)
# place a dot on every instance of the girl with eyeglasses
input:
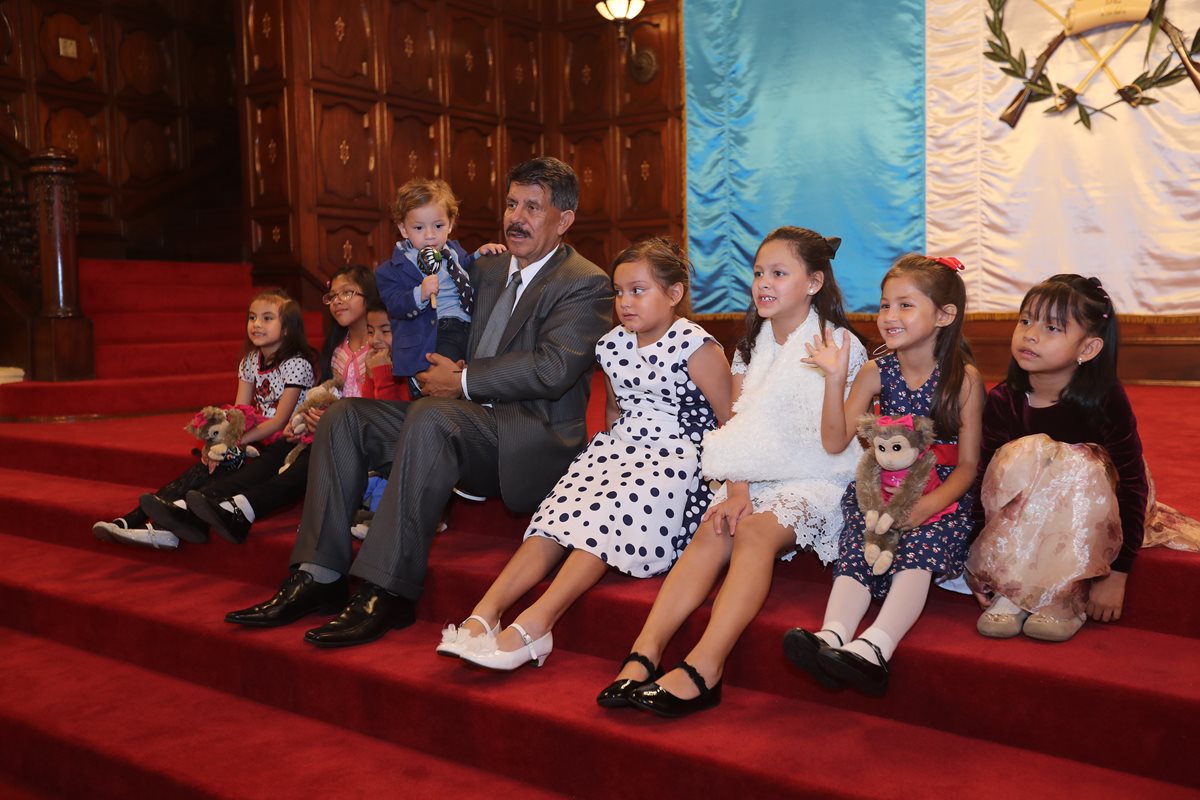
(275, 371)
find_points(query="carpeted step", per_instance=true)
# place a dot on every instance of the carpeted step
(140, 327)
(1061, 700)
(149, 359)
(104, 297)
(81, 725)
(116, 396)
(132, 274)
(756, 744)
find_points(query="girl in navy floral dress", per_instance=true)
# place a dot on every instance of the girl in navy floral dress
(929, 372)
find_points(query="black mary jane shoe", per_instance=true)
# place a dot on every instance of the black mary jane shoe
(870, 679)
(616, 694)
(803, 649)
(231, 525)
(654, 698)
(170, 517)
(371, 613)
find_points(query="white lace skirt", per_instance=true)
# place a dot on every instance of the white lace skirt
(810, 507)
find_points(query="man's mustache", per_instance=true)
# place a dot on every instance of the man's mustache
(517, 230)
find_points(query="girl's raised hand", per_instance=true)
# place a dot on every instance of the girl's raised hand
(830, 358)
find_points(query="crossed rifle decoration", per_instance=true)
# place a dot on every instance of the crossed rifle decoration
(1082, 17)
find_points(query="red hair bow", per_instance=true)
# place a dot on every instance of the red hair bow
(950, 262)
(906, 421)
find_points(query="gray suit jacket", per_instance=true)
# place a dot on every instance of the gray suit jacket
(540, 378)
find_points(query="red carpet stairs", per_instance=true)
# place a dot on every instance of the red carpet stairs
(122, 679)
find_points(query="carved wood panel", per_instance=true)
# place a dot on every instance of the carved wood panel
(521, 145)
(347, 241)
(654, 34)
(472, 166)
(587, 94)
(410, 53)
(269, 150)
(13, 114)
(210, 78)
(589, 154)
(416, 148)
(271, 235)
(82, 135)
(11, 63)
(647, 153)
(471, 63)
(70, 52)
(148, 148)
(521, 82)
(345, 151)
(143, 66)
(593, 243)
(341, 36)
(264, 41)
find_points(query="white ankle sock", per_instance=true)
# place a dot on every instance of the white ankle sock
(321, 574)
(244, 506)
(181, 504)
(834, 634)
(880, 638)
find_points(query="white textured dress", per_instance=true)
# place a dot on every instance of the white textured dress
(773, 440)
(634, 496)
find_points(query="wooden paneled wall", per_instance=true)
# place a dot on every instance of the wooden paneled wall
(343, 101)
(140, 91)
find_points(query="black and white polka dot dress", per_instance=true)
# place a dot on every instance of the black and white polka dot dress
(634, 497)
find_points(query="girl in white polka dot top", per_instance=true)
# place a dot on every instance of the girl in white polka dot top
(634, 497)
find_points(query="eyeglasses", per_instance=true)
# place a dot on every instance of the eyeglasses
(345, 295)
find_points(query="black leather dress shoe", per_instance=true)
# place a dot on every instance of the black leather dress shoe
(371, 613)
(298, 596)
(869, 678)
(802, 648)
(652, 697)
(616, 694)
(170, 517)
(231, 525)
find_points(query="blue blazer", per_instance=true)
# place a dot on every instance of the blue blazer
(414, 329)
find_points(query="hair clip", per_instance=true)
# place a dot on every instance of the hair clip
(950, 262)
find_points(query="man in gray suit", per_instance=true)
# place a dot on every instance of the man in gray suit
(508, 422)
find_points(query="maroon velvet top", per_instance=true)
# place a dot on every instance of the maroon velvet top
(1007, 416)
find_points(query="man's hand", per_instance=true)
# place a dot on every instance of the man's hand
(491, 249)
(443, 378)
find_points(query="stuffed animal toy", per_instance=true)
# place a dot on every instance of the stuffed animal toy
(322, 396)
(894, 471)
(219, 429)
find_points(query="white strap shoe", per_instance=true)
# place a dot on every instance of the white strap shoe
(141, 537)
(458, 640)
(534, 651)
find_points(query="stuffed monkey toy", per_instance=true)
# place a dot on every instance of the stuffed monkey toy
(893, 473)
(219, 430)
(322, 396)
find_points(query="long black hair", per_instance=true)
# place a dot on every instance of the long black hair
(944, 286)
(364, 278)
(1065, 299)
(816, 253)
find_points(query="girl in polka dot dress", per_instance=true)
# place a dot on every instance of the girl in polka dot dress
(928, 372)
(634, 497)
(781, 488)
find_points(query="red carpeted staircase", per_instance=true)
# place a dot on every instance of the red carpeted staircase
(168, 336)
(121, 679)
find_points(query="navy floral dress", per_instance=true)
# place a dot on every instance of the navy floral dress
(939, 547)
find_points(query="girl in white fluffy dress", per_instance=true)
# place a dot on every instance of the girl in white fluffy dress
(781, 488)
(929, 372)
(633, 498)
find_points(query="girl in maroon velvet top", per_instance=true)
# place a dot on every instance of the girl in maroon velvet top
(1063, 482)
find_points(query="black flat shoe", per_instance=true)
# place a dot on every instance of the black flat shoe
(654, 698)
(616, 695)
(170, 517)
(298, 596)
(803, 648)
(231, 525)
(870, 679)
(371, 613)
